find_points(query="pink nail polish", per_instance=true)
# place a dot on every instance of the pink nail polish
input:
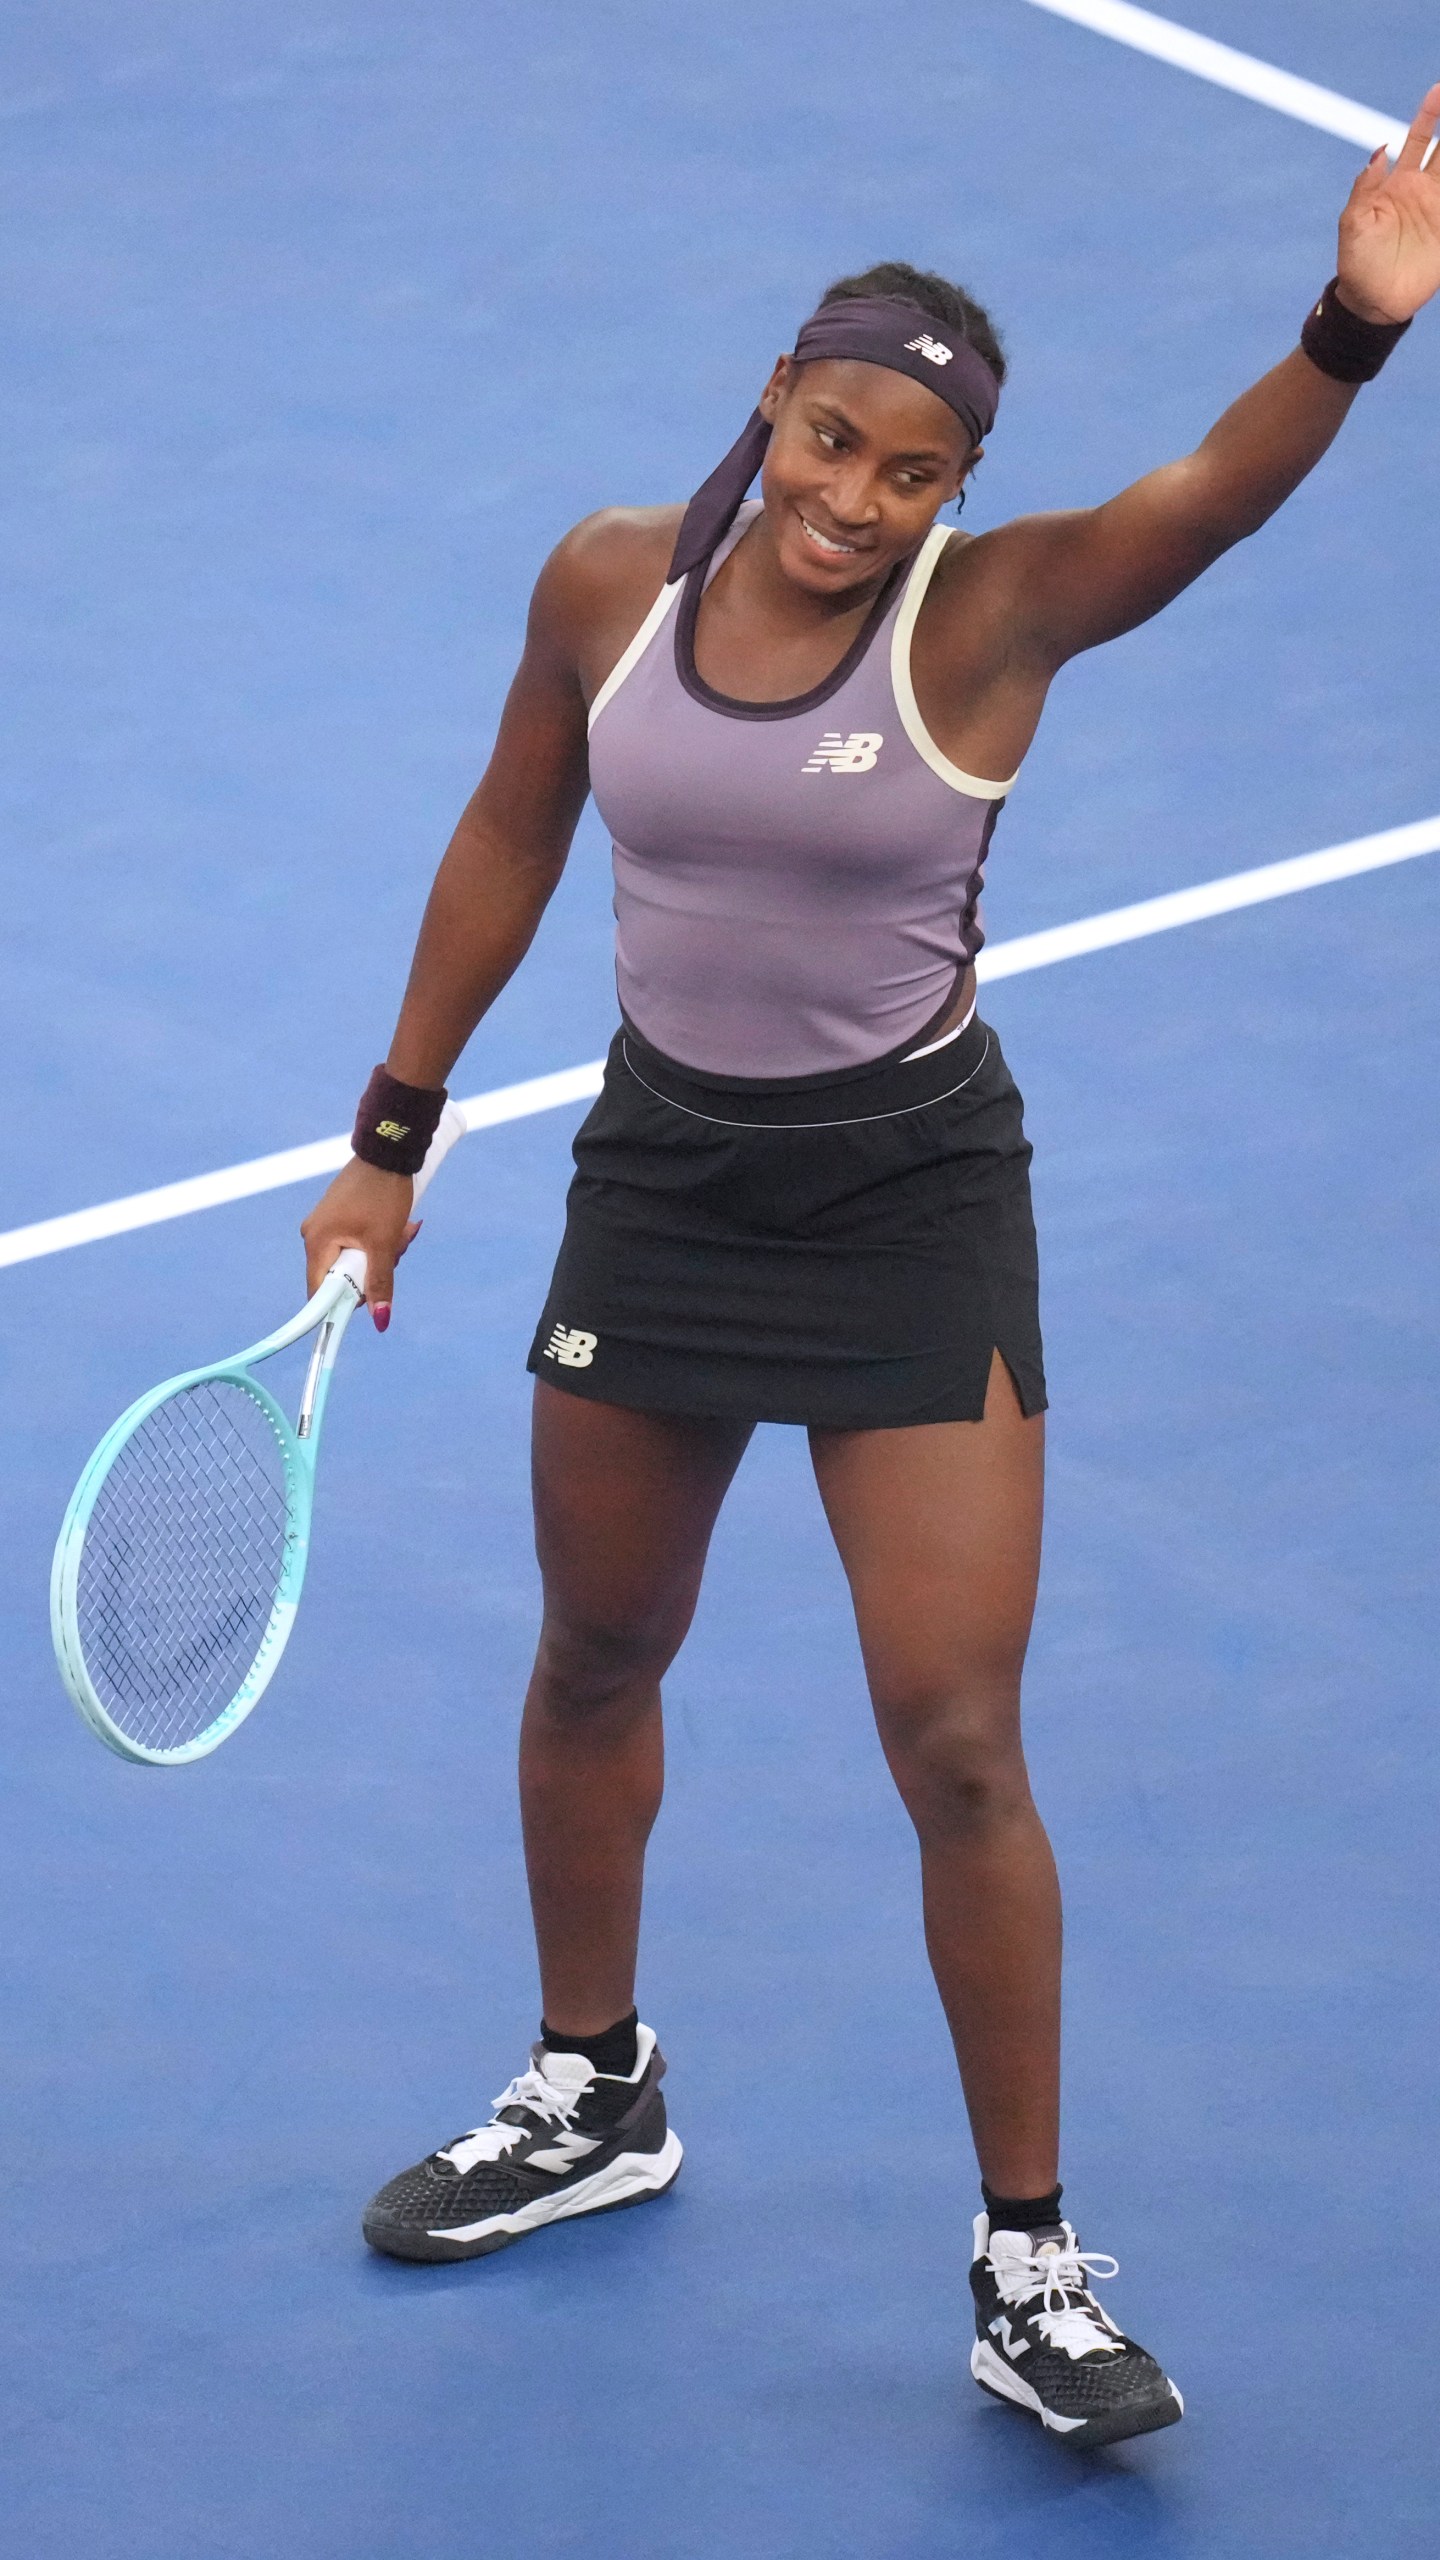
(382, 1317)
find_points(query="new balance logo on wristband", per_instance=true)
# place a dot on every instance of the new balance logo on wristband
(934, 348)
(393, 1129)
(855, 754)
(572, 1348)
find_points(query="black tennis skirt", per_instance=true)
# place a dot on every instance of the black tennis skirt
(847, 1251)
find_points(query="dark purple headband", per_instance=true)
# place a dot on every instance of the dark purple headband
(881, 330)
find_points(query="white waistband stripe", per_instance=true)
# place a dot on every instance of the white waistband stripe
(579, 1084)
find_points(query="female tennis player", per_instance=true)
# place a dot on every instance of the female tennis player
(803, 1195)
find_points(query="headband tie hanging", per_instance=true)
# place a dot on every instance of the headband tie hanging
(878, 329)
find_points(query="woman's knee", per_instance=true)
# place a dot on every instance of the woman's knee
(956, 1751)
(588, 1665)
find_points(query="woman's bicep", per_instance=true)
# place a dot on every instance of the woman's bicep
(535, 785)
(590, 599)
(1087, 576)
(536, 782)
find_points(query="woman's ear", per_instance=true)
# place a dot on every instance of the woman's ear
(775, 390)
(962, 479)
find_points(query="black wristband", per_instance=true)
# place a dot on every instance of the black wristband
(396, 1122)
(1343, 345)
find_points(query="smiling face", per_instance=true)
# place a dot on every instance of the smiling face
(859, 465)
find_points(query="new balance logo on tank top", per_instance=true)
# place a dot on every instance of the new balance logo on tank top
(859, 753)
(769, 923)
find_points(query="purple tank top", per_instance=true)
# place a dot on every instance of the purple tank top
(796, 883)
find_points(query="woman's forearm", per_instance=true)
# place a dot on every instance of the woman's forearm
(1265, 444)
(479, 922)
(1107, 568)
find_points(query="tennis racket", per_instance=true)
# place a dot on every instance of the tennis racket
(181, 1557)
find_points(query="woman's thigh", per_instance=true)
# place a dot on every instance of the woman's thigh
(938, 1527)
(624, 1506)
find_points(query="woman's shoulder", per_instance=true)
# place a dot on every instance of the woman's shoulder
(599, 583)
(607, 553)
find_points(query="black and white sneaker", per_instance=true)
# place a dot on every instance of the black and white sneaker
(1043, 2342)
(564, 2139)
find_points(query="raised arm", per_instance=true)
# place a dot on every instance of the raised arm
(1088, 576)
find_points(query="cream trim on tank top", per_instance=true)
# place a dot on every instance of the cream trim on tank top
(916, 588)
(632, 656)
(904, 691)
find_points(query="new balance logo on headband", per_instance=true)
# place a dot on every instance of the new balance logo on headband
(855, 754)
(934, 348)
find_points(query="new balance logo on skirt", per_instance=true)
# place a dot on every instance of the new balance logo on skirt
(855, 754)
(572, 1348)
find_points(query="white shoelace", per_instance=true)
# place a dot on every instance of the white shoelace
(1075, 2328)
(539, 2096)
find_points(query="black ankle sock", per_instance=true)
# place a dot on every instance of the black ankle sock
(615, 2049)
(1022, 2213)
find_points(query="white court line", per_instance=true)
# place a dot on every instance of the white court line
(1249, 78)
(577, 1084)
(272, 1173)
(1207, 898)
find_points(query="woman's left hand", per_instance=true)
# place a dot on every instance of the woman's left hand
(1390, 229)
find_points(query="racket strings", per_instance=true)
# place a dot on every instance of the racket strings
(182, 1563)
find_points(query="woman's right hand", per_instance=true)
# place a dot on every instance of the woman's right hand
(368, 1207)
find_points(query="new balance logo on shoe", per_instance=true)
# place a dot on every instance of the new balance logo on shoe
(572, 1348)
(1012, 2345)
(855, 754)
(561, 2155)
(934, 348)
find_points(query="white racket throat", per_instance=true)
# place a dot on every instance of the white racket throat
(182, 1554)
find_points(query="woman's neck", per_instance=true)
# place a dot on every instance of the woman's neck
(753, 586)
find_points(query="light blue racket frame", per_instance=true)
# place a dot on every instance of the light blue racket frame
(326, 1315)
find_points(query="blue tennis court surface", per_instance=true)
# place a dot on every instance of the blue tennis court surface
(324, 322)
